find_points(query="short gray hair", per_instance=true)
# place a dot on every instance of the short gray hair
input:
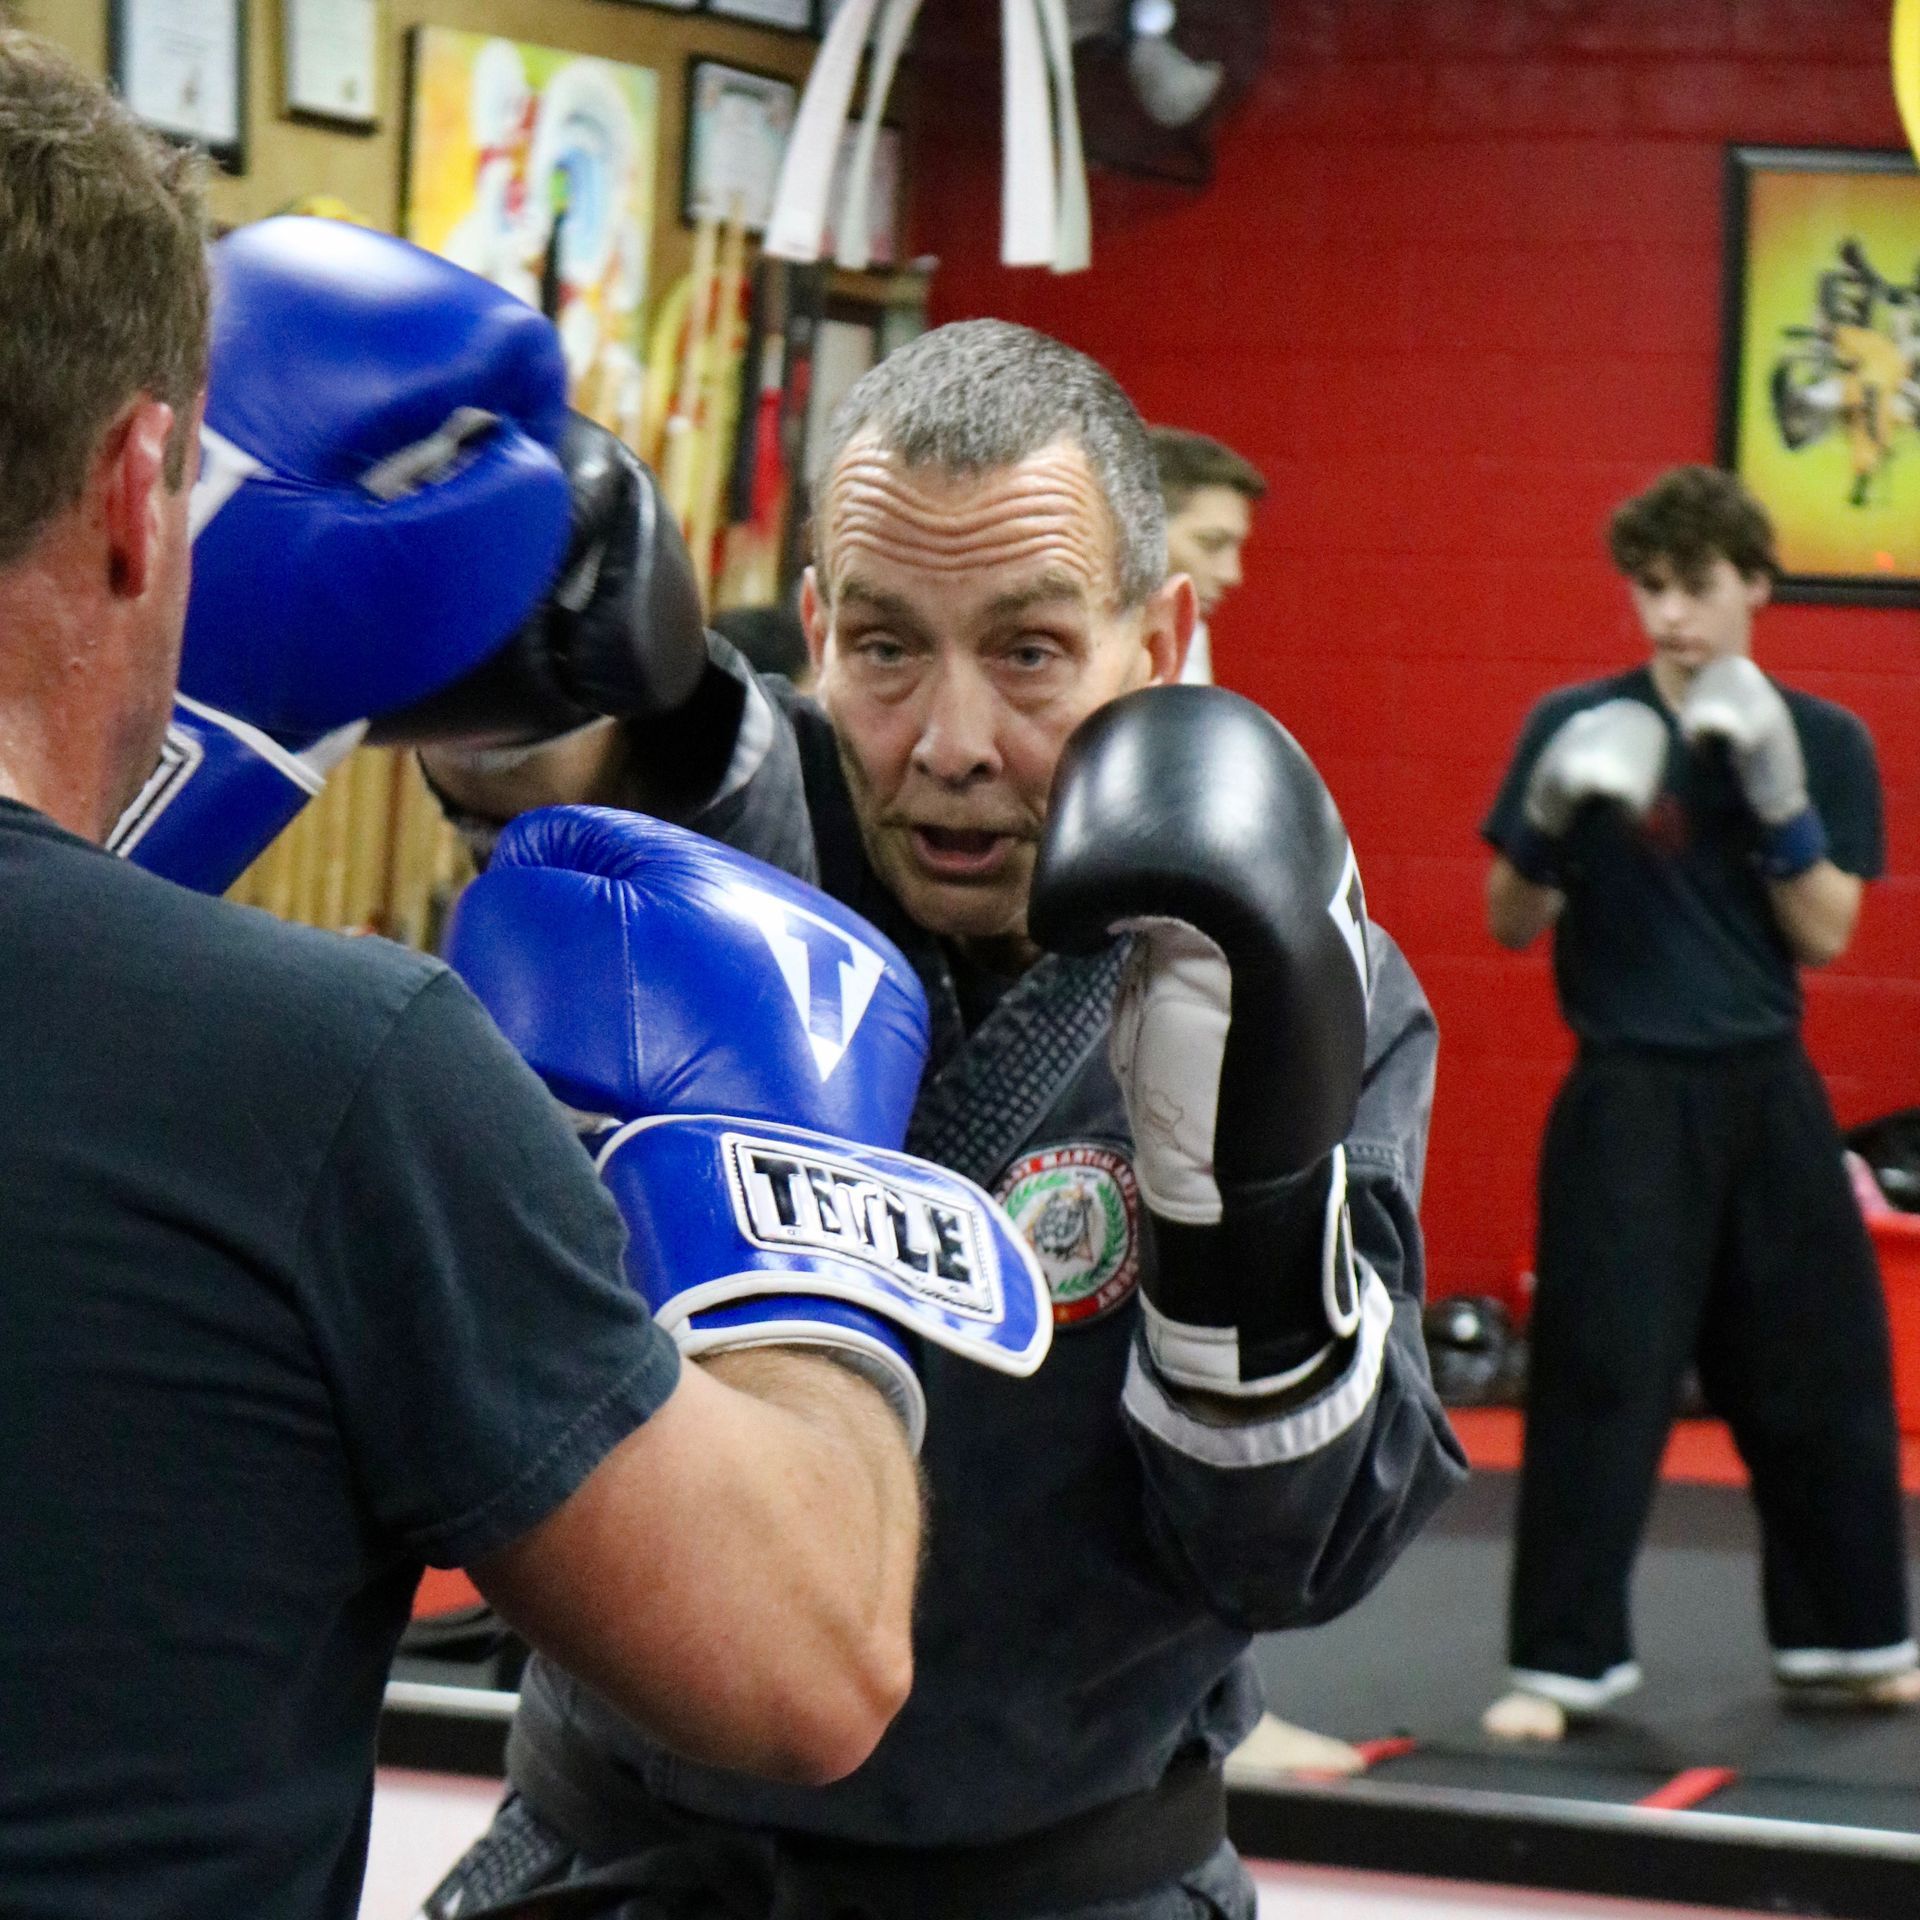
(103, 281)
(981, 395)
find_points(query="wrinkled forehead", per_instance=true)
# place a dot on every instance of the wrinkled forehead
(1045, 515)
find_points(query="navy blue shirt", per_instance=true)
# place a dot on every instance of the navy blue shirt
(1668, 937)
(304, 1283)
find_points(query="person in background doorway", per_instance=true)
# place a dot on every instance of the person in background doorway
(1210, 493)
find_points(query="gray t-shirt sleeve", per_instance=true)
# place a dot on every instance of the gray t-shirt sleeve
(461, 1267)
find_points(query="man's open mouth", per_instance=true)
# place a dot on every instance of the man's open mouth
(959, 850)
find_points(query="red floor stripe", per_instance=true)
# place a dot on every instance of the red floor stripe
(1689, 1788)
(1698, 1451)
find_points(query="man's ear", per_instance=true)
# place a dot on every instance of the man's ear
(1759, 590)
(130, 473)
(813, 617)
(1166, 631)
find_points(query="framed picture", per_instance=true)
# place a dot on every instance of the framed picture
(332, 62)
(1820, 387)
(737, 127)
(788, 16)
(181, 66)
(534, 167)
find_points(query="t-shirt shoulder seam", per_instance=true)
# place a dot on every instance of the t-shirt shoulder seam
(432, 978)
(581, 1436)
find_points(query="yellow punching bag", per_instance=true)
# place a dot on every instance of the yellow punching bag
(1906, 68)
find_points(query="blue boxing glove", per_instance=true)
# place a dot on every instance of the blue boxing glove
(380, 502)
(398, 528)
(221, 792)
(762, 1046)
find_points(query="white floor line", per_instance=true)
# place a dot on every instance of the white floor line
(1325, 1893)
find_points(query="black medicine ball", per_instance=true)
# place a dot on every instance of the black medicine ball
(1470, 1342)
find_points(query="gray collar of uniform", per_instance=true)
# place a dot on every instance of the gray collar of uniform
(984, 1103)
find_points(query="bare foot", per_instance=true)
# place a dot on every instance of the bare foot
(1525, 1716)
(1867, 1694)
(1277, 1746)
(1895, 1689)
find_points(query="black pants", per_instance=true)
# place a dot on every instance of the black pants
(1695, 1207)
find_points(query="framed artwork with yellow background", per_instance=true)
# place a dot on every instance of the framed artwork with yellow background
(534, 167)
(1820, 392)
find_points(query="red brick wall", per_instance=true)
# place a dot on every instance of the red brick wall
(1456, 289)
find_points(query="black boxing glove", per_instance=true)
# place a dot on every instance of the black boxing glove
(1189, 818)
(619, 633)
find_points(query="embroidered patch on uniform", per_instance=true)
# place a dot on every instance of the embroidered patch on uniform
(1079, 1208)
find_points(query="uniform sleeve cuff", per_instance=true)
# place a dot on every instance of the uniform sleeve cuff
(1792, 847)
(1297, 1434)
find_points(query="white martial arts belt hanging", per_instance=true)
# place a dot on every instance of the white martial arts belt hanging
(1044, 216)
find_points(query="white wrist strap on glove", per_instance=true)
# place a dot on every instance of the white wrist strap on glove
(1168, 1043)
(1208, 1358)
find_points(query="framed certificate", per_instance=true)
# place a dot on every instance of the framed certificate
(737, 127)
(181, 67)
(789, 16)
(332, 62)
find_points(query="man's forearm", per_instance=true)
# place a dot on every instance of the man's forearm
(1519, 910)
(737, 1574)
(1817, 911)
(578, 769)
(853, 1487)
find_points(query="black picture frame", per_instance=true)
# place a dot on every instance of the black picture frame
(796, 17)
(1819, 412)
(693, 147)
(123, 30)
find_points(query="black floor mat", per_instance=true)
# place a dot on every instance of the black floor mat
(1424, 1655)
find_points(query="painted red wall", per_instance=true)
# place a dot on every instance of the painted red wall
(1456, 290)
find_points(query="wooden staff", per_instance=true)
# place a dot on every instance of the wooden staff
(417, 828)
(297, 877)
(663, 365)
(719, 401)
(274, 889)
(677, 452)
(371, 836)
(327, 905)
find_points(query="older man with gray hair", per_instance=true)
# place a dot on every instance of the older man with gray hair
(1167, 1037)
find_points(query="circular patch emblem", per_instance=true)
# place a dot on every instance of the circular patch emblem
(1079, 1210)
